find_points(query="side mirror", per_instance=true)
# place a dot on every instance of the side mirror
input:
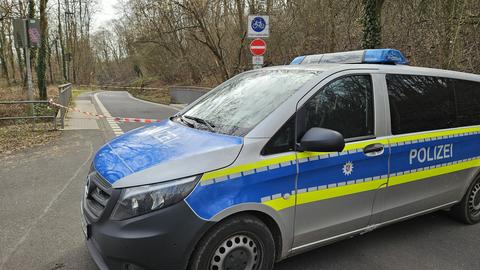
(322, 140)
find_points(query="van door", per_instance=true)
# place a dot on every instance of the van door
(336, 191)
(425, 152)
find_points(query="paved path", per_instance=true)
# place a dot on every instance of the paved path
(122, 104)
(40, 191)
(431, 242)
(77, 120)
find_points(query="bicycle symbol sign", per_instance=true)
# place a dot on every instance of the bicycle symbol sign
(258, 24)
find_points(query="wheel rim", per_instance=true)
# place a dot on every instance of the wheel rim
(474, 201)
(238, 252)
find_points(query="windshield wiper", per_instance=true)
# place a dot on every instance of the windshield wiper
(201, 121)
(181, 118)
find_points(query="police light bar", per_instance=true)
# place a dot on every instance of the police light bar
(370, 56)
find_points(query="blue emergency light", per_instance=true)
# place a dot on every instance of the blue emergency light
(370, 56)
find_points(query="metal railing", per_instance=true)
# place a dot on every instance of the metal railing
(186, 94)
(33, 113)
(64, 96)
(176, 93)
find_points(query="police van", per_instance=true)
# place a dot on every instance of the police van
(277, 161)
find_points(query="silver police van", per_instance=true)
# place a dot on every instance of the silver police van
(277, 161)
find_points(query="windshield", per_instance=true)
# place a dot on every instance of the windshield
(238, 105)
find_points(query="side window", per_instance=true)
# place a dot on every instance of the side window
(283, 140)
(344, 105)
(467, 97)
(420, 103)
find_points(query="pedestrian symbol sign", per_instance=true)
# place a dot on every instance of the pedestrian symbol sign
(258, 26)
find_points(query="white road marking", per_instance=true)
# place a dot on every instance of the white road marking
(113, 125)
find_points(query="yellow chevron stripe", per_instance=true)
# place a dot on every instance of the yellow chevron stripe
(280, 203)
(247, 167)
(330, 193)
(416, 176)
(348, 146)
(281, 159)
(325, 194)
(319, 195)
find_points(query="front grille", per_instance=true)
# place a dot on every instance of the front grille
(97, 195)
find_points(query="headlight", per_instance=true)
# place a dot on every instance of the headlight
(143, 199)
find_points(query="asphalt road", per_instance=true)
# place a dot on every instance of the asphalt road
(40, 191)
(122, 104)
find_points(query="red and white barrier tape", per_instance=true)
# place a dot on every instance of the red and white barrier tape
(101, 116)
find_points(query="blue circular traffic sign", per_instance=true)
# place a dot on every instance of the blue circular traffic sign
(258, 24)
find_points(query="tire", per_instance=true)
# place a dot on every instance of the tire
(242, 242)
(468, 210)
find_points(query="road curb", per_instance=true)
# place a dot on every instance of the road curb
(153, 103)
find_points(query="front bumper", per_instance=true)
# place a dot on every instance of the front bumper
(163, 239)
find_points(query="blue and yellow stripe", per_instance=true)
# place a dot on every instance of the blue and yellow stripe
(267, 181)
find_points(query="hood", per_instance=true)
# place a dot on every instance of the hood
(164, 151)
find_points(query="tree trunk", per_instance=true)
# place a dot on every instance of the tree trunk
(11, 55)
(31, 15)
(42, 52)
(62, 46)
(3, 59)
(19, 54)
(371, 19)
(49, 57)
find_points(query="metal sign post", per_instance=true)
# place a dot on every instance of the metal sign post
(258, 27)
(27, 35)
(29, 73)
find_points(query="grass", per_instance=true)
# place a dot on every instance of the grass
(77, 91)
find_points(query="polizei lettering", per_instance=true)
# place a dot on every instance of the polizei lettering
(431, 153)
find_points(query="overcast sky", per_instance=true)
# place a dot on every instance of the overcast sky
(106, 11)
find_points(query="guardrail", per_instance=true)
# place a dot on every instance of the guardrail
(177, 94)
(186, 94)
(117, 87)
(64, 96)
(33, 111)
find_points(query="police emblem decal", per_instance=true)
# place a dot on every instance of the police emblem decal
(347, 168)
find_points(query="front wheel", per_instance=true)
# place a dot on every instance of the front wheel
(468, 210)
(239, 243)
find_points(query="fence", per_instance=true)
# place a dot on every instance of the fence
(64, 95)
(33, 113)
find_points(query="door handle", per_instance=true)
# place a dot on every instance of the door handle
(373, 150)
